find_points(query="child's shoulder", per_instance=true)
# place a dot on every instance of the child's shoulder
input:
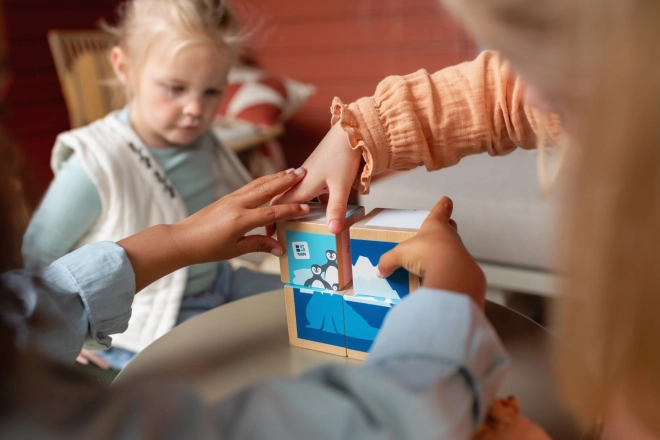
(108, 129)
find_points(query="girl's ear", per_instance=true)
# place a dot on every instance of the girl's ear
(120, 64)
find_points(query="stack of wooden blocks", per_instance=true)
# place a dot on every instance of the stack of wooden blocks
(335, 303)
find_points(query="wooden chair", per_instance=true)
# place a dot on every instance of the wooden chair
(83, 66)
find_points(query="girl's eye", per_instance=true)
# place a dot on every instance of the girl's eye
(174, 89)
(213, 92)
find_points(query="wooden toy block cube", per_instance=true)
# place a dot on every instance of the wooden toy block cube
(363, 316)
(315, 318)
(313, 256)
(374, 235)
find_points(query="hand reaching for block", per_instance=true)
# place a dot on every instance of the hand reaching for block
(437, 255)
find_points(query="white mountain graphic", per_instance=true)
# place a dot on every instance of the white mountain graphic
(365, 281)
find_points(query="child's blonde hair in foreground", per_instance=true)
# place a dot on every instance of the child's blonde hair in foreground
(601, 59)
(172, 25)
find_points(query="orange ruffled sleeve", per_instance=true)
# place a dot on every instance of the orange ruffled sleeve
(436, 119)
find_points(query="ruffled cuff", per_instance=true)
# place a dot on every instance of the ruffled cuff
(360, 137)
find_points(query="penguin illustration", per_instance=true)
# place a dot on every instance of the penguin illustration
(330, 270)
(316, 280)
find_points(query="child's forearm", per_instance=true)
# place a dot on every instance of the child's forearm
(153, 253)
(437, 119)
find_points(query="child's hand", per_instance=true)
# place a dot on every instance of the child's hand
(86, 356)
(217, 232)
(438, 255)
(332, 167)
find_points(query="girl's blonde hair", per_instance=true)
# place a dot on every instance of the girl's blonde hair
(172, 25)
(601, 59)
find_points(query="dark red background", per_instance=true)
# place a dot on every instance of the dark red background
(343, 47)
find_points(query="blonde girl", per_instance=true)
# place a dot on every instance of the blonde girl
(594, 64)
(155, 161)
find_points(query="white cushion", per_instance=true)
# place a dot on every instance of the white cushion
(497, 204)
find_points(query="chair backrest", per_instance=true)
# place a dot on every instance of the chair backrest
(82, 60)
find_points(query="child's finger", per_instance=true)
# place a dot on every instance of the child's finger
(389, 262)
(442, 210)
(304, 192)
(261, 192)
(272, 214)
(98, 361)
(336, 211)
(259, 243)
(250, 187)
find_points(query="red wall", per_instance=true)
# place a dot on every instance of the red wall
(343, 47)
(37, 109)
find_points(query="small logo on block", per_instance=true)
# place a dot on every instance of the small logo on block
(300, 250)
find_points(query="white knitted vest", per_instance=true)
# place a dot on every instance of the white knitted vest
(135, 195)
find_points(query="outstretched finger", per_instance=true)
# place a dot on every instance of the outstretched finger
(251, 186)
(336, 211)
(389, 262)
(271, 214)
(442, 210)
(304, 192)
(260, 192)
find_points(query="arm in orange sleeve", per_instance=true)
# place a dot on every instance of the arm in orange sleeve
(437, 119)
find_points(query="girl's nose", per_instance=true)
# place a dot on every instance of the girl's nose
(193, 108)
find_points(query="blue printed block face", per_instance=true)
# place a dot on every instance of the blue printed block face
(312, 260)
(364, 317)
(365, 255)
(313, 256)
(319, 316)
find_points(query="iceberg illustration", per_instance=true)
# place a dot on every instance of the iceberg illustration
(357, 326)
(325, 312)
(366, 282)
(301, 275)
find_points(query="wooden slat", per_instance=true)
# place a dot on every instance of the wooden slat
(46, 118)
(32, 90)
(42, 21)
(353, 32)
(31, 56)
(368, 65)
(293, 10)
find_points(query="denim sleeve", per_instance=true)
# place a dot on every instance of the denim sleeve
(69, 209)
(432, 373)
(82, 298)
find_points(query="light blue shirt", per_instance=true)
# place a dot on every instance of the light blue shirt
(432, 372)
(72, 204)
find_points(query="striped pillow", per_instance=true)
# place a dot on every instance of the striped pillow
(259, 97)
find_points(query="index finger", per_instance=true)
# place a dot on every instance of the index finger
(262, 190)
(441, 212)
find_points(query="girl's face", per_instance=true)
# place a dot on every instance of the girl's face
(175, 98)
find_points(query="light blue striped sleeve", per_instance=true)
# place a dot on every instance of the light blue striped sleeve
(82, 298)
(69, 209)
(432, 373)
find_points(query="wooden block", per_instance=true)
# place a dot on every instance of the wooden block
(315, 318)
(363, 317)
(313, 256)
(371, 237)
